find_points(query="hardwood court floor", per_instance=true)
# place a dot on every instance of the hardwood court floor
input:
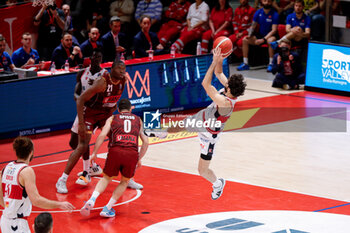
(267, 164)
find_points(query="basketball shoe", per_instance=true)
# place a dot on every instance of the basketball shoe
(217, 191)
(84, 179)
(133, 185)
(158, 134)
(107, 213)
(85, 211)
(94, 170)
(61, 186)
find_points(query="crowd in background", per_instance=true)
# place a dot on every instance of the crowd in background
(134, 28)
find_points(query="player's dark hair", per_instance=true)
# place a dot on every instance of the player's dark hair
(117, 63)
(124, 104)
(43, 223)
(236, 84)
(23, 146)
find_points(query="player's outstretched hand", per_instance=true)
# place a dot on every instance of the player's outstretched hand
(65, 205)
(217, 55)
(93, 158)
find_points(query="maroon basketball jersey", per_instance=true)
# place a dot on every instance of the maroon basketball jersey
(109, 98)
(125, 130)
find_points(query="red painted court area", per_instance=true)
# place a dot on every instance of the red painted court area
(167, 194)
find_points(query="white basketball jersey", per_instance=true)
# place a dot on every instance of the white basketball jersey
(87, 79)
(17, 203)
(211, 114)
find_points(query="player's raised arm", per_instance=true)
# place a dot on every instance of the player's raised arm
(206, 83)
(219, 72)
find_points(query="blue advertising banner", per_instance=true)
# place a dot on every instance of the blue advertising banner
(328, 67)
(45, 104)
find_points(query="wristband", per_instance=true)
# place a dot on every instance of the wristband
(265, 41)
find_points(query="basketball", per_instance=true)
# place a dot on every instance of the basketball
(225, 44)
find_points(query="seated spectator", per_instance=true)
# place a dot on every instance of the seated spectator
(50, 20)
(197, 24)
(113, 42)
(89, 45)
(152, 8)
(68, 24)
(242, 20)
(66, 51)
(43, 223)
(5, 59)
(146, 41)
(219, 23)
(175, 21)
(288, 67)
(25, 55)
(267, 19)
(297, 28)
(283, 8)
(313, 9)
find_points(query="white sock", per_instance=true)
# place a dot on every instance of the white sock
(86, 165)
(270, 59)
(64, 176)
(94, 196)
(111, 202)
(245, 60)
(217, 183)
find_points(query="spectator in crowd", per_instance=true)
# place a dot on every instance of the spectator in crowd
(5, 59)
(78, 10)
(43, 223)
(97, 15)
(68, 24)
(50, 20)
(175, 21)
(25, 55)
(242, 20)
(283, 8)
(197, 23)
(146, 41)
(297, 27)
(313, 9)
(152, 8)
(113, 42)
(67, 52)
(124, 9)
(267, 19)
(288, 67)
(89, 45)
(219, 23)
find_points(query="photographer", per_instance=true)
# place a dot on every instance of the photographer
(288, 68)
(50, 20)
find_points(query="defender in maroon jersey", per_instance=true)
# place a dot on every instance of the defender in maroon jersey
(94, 107)
(123, 131)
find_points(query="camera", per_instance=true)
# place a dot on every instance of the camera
(284, 53)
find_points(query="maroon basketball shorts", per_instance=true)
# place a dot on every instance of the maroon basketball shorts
(121, 159)
(95, 118)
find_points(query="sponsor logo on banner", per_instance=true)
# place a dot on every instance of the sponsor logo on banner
(139, 89)
(151, 120)
(335, 67)
(255, 221)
